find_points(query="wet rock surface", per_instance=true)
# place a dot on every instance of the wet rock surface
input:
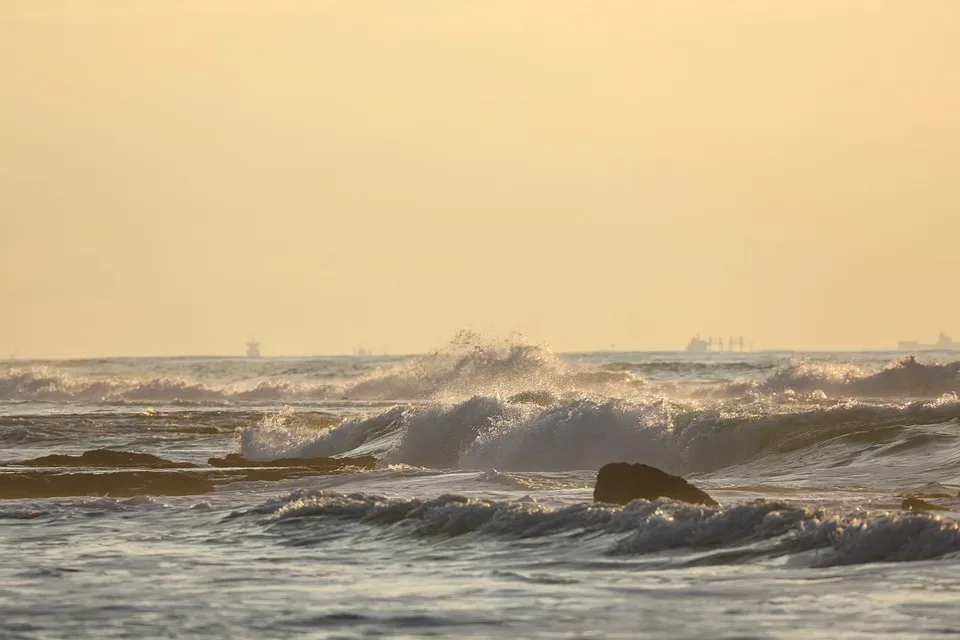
(104, 458)
(317, 464)
(46, 484)
(622, 482)
(918, 504)
(124, 474)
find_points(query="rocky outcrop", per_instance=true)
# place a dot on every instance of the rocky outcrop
(918, 504)
(105, 458)
(235, 468)
(621, 482)
(46, 484)
(321, 464)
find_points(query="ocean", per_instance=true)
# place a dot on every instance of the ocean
(460, 501)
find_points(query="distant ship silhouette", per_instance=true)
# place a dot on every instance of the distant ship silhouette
(943, 342)
(699, 345)
(253, 349)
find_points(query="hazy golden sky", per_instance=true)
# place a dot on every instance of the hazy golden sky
(179, 175)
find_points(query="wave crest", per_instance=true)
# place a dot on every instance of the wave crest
(744, 532)
(904, 378)
(469, 365)
(484, 432)
(472, 365)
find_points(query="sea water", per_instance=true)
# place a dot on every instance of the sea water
(477, 519)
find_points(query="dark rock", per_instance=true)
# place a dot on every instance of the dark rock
(316, 464)
(228, 475)
(236, 468)
(105, 458)
(916, 504)
(913, 494)
(48, 484)
(233, 474)
(621, 482)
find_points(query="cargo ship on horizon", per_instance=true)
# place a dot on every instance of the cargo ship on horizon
(944, 342)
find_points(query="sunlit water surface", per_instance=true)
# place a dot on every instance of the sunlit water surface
(479, 520)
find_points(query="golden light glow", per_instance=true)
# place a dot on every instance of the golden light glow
(177, 176)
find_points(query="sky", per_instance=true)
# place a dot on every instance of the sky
(179, 176)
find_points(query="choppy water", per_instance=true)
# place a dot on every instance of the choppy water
(477, 520)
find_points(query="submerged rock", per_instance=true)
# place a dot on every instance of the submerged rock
(916, 504)
(48, 484)
(316, 464)
(236, 468)
(621, 482)
(929, 490)
(105, 458)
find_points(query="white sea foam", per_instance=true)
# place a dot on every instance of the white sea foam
(834, 441)
(288, 434)
(473, 365)
(757, 530)
(484, 432)
(905, 378)
(469, 365)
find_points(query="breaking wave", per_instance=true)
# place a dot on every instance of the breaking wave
(757, 530)
(484, 432)
(904, 378)
(49, 385)
(474, 365)
(469, 365)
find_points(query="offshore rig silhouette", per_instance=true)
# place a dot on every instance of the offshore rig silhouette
(698, 345)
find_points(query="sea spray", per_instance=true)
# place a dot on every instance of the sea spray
(680, 437)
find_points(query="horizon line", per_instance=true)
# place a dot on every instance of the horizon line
(186, 356)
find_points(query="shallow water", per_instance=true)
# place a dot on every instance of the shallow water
(478, 519)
